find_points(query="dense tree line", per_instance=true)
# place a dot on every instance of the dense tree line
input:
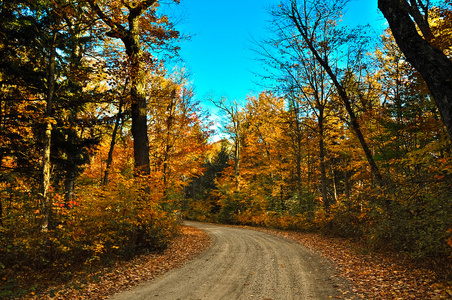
(101, 145)
(348, 139)
(96, 136)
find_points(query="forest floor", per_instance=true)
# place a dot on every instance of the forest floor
(107, 281)
(372, 275)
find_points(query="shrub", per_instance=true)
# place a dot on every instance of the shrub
(98, 228)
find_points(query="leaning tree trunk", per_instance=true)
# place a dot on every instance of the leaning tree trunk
(297, 19)
(429, 61)
(353, 121)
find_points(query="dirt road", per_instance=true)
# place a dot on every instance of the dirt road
(244, 264)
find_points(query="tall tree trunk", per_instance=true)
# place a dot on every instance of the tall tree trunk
(326, 200)
(354, 123)
(298, 137)
(131, 39)
(46, 169)
(45, 177)
(75, 64)
(139, 110)
(434, 66)
(357, 129)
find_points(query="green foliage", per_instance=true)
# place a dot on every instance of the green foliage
(227, 214)
(349, 218)
(203, 191)
(303, 203)
(416, 224)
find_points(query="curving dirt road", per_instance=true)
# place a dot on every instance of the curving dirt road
(245, 264)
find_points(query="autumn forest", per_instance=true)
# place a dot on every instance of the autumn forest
(104, 147)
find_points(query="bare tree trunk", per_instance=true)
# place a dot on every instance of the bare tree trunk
(434, 66)
(45, 178)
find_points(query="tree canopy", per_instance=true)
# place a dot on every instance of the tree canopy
(105, 146)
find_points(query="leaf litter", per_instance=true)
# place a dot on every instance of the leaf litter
(372, 275)
(127, 274)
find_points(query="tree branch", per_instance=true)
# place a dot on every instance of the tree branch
(117, 30)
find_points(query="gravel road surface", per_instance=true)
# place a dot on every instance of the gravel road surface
(244, 264)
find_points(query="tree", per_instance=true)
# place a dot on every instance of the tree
(234, 127)
(266, 161)
(43, 74)
(405, 18)
(204, 188)
(305, 18)
(178, 132)
(136, 24)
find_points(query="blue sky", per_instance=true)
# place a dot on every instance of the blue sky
(219, 56)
